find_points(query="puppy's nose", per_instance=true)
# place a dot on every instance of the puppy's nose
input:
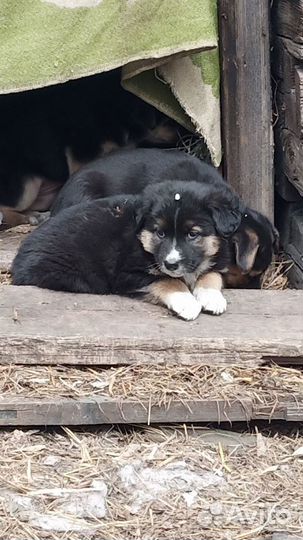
(171, 266)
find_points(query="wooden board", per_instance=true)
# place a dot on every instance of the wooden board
(17, 411)
(46, 327)
(246, 100)
(288, 19)
(10, 241)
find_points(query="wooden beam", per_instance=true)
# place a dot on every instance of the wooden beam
(38, 326)
(246, 100)
(287, 16)
(19, 411)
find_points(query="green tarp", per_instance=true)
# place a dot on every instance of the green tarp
(168, 49)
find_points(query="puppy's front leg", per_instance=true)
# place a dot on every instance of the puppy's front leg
(208, 293)
(175, 295)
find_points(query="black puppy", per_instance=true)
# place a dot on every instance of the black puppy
(168, 244)
(48, 133)
(130, 171)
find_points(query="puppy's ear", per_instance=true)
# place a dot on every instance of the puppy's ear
(246, 244)
(142, 207)
(227, 215)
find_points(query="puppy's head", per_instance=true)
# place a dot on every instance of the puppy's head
(255, 242)
(181, 224)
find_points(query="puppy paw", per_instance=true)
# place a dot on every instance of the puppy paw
(36, 218)
(184, 305)
(211, 300)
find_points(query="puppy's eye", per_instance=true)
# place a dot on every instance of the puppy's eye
(193, 234)
(160, 234)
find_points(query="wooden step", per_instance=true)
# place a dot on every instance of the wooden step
(45, 327)
(57, 411)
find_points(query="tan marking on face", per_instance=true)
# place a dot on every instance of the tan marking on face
(212, 280)
(147, 240)
(248, 258)
(210, 245)
(158, 292)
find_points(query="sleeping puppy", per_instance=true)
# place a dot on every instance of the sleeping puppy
(130, 171)
(168, 244)
(49, 133)
(253, 246)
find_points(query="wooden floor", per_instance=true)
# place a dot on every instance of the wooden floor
(40, 327)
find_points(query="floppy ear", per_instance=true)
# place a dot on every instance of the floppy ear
(142, 207)
(227, 215)
(246, 247)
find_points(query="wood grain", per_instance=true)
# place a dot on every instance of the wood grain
(19, 411)
(46, 327)
(246, 100)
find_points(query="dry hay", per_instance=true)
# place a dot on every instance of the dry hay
(157, 385)
(276, 276)
(260, 490)
(5, 278)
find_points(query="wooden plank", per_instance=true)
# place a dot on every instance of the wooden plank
(292, 164)
(246, 100)
(288, 18)
(285, 536)
(46, 327)
(10, 241)
(299, 96)
(17, 411)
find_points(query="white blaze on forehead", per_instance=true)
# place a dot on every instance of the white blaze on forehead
(177, 197)
(173, 256)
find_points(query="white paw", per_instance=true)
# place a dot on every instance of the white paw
(184, 304)
(211, 300)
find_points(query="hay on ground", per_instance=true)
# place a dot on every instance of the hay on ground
(151, 484)
(263, 385)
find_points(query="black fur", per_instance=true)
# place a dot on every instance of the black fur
(130, 171)
(95, 248)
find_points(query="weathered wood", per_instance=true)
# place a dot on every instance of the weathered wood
(285, 536)
(17, 411)
(10, 241)
(292, 164)
(45, 327)
(288, 18)
(299, 95)
(246, 100)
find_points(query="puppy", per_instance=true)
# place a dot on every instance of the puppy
(168, 244)
(48, 133)
(130, 171)
(252, 247)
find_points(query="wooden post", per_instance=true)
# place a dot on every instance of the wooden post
(246, 100)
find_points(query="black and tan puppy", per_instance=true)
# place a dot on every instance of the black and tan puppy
(168, 244)
(130, 171)
(253, 246)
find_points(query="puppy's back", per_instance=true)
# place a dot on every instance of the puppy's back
(75, 251)
(130, 171)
